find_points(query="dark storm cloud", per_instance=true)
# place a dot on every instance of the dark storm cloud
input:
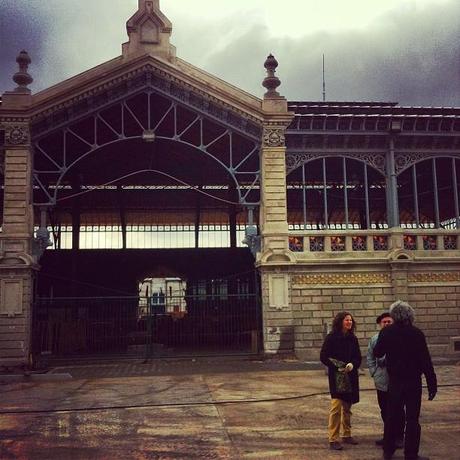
(21, 27)
(411, 57)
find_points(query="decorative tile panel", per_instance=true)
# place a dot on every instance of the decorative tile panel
(316, 243)
(430, 242)
(342, 278)
(450, 242)
(429, 277)
(337, 243)
(359, 243)
(410, 242)
(296, 243)
(380, 242)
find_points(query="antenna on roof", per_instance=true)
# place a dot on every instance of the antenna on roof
(324, 83)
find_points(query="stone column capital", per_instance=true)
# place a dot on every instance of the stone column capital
(17, 134)
(274, 136)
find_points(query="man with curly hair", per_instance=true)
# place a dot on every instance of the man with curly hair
(407, 358)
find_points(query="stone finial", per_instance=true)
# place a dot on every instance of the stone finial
(271, 82)
(149, 32)
(148, 4)
(22, 78)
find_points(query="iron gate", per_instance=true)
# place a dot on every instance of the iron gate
(151, 326)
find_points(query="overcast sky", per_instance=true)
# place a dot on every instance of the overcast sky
(406, 51)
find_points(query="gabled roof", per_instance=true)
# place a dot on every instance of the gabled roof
(112, 72)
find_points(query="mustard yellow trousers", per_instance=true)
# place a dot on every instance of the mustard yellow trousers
(339, 420)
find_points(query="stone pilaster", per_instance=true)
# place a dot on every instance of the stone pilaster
(17, 214)
(16, 261)
(399, 280)
(275, 256)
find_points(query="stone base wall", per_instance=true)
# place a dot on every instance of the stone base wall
(315, 296)
(278, 321)
(15, 316)
(437, 309)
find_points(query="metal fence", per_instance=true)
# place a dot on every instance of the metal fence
(146, 326)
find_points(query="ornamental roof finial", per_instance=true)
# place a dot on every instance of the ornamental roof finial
(22, 78)
(271, 82)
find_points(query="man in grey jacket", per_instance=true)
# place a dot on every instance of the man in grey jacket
(378, 371)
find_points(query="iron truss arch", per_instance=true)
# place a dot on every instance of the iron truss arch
(404, 161)
(149, 113)
(295, 160)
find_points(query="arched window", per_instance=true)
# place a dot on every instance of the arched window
(336, 193)
(428, 194)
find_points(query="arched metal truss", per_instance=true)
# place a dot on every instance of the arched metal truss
(404, 160)
(150, 115)
(375, 160)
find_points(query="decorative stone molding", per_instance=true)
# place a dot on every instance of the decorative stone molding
(400, 255)
(375, 160)
(274, 137)
(147, 76)
(16, 134)
(18, 260)
(278, 290)
(342, 278)
(277, 257)
(11, 294)
(430, 277)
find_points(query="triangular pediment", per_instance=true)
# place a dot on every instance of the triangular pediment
(122, 77)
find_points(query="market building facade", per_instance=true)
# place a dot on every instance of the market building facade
(152, 208)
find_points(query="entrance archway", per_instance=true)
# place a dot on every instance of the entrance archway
(141, 184)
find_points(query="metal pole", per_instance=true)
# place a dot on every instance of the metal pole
(393, 183)
(415, 191)
(366, 197)
(454, 178)
(345, 191)
(326, 219)
(436, 195)
(324, 82)
(304, 198)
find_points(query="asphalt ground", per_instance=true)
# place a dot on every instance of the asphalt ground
(202, 409)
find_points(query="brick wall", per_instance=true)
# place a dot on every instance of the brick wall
(437, 310)
(315, 298)
(315, 307)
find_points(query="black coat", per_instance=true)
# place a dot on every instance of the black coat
(407, 355)
(343, 347)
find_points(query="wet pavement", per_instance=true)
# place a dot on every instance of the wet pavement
(201, 409)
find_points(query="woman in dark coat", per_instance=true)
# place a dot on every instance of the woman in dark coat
(341, 354)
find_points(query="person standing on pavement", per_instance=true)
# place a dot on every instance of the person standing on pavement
(378, 371)
(407, 358)
(341, 354)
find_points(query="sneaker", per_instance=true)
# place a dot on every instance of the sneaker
(379, 442)
(350, 440)
(335, 446)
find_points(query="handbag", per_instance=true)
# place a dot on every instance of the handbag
(342, 379)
